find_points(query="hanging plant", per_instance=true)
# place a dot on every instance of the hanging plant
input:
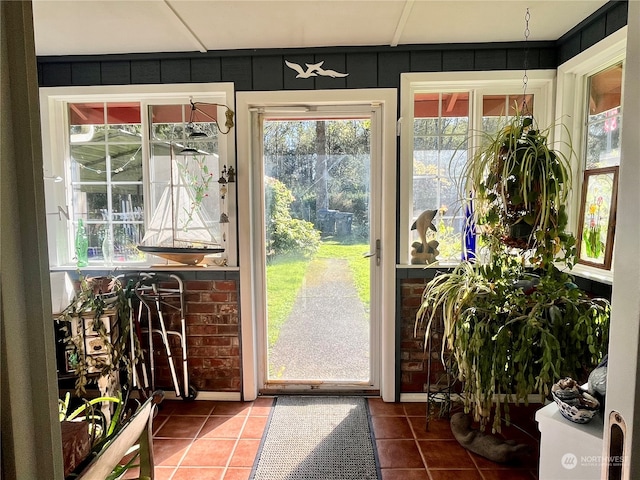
(521, 185)
(518, 323)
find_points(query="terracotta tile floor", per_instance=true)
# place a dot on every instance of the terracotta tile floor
(208, 440)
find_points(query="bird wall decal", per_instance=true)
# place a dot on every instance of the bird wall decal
(313, 70)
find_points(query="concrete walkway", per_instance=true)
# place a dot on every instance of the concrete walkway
(327, 334)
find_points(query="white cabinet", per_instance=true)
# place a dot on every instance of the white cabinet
(568, 450)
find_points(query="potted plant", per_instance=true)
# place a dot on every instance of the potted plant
(95, 302)
(520, 184)
(516, 323)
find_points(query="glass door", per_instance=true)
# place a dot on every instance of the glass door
(320, 244)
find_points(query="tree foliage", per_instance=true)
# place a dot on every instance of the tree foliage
(291, 153)
(286, 234)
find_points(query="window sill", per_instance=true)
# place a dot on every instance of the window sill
(582, 271)
(437, 264)
(142, 267)
(594, 274)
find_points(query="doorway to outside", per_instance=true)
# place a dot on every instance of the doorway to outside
(317, 197)
(317, 238)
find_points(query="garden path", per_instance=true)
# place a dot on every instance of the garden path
(326, 336)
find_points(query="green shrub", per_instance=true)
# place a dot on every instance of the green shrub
(286, 234)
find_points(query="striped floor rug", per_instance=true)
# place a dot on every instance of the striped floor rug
(317, 438)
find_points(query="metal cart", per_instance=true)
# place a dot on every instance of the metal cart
(163, 294)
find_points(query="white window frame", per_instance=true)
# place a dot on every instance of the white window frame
(540, 83)
(53, 113)
(573, 77)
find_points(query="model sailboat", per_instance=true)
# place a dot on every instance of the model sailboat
(179, 228)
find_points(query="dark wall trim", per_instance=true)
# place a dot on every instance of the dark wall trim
(260, 70)
(608, 19)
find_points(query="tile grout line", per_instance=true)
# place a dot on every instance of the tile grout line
(175, 469)
(415, 440)
(235, 445)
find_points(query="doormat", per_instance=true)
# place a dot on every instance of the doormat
(317, 438)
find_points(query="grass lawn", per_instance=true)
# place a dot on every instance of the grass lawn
(285, 275)
(284, 279)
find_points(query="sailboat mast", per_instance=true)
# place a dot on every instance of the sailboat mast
(174, 218)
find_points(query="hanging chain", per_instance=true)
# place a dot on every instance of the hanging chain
(525, 78)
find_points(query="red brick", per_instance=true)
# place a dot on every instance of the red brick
(225, 285)
(198, 285)
(411, 366)
(192, 297)
(411, 301)
(230, 308)
(217, 297)
(201, 308)
(201, 330)
(228, 329)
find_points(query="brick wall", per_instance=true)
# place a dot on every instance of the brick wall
(213, 338)
(413, 358)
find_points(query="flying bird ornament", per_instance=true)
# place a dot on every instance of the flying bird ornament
(313, 70)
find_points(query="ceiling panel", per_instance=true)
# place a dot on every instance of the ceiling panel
(64, 27)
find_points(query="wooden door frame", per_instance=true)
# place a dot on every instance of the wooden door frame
(250, 204)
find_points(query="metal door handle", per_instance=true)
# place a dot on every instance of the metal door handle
(376, 253)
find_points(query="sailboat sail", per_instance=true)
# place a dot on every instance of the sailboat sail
(175, 221)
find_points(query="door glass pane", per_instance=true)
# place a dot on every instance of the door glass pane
(317, 217)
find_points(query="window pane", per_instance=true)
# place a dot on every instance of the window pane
(87, 113)
(88, 163)
(106, 148)
(195, 166)
(603, 142)
(499, 105)
(425, 143)
(605, 90)
(604, 118)
(86, 133)
(167, 121)
(126, 163)
(599, 195)
(440, 141)
(127, 203)
(455, 105)
(125, 133)
(90, 201)
(425, 126)
(95, 233)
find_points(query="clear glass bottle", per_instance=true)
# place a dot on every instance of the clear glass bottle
(82, 245)
(107, 248)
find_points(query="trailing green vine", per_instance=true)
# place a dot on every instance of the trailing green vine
(518, 323)
(95, 301)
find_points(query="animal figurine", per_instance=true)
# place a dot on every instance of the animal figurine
(486, 445)
(424, 252)
(422, 256)
(424, 222)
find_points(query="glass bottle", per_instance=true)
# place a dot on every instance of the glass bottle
(107, 248)
(82, 245)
